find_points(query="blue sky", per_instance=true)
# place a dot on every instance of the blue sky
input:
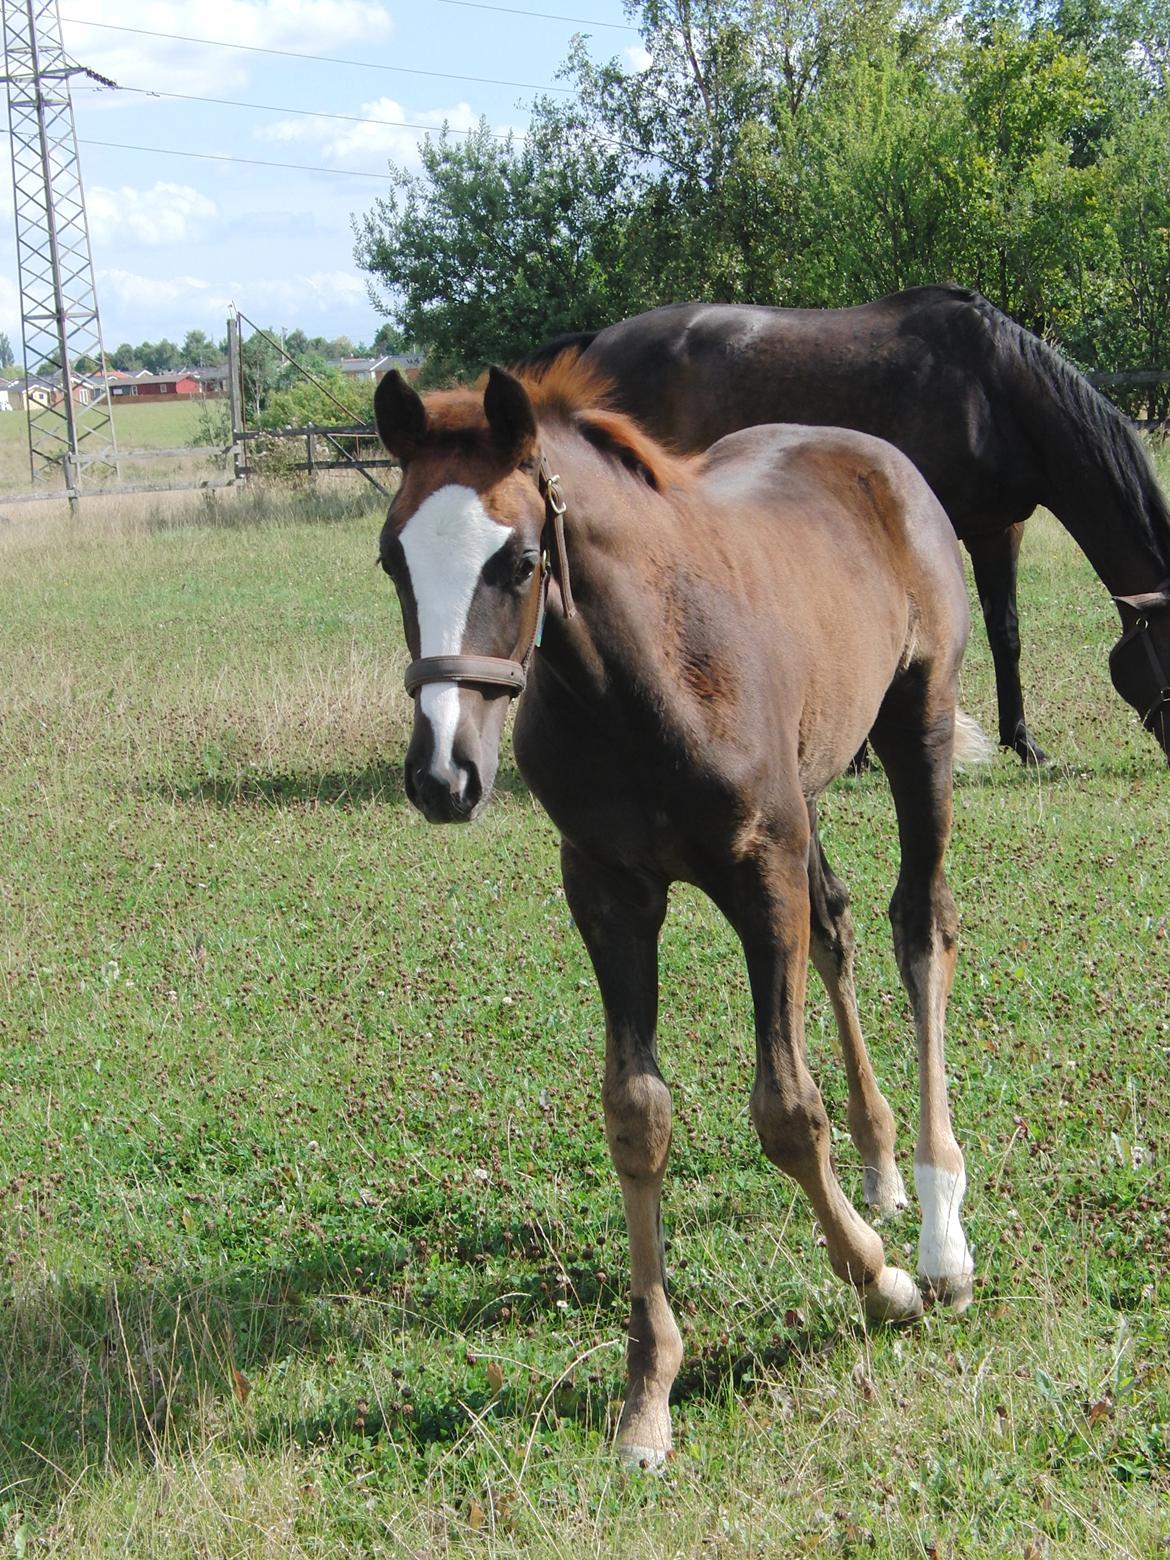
(177, 239)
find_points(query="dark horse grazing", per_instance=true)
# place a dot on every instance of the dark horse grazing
(995, 420)
(721, 634)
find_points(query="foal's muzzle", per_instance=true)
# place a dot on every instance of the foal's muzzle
(438, 801)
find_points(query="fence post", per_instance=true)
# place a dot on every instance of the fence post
(236, 399)
(310, 443)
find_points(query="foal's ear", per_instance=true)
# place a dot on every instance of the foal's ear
(399, 415)
(510, 415)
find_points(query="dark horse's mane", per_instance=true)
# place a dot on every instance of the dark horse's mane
(1103, 437)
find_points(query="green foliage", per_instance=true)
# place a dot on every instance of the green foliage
(812, 154)
(1135, 324)
(332, 401)
(198, 350)
(496, 243)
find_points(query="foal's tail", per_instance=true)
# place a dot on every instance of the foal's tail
(972, 744)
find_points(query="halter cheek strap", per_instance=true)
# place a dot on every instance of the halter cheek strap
(511, 672)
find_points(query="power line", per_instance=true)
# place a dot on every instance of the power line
(547, 16)
(255, 162)
(309, 113)
(319, 59)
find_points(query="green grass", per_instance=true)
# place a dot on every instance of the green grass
(143, 427)
(309, 1240)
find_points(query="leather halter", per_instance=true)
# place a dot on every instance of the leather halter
(511, 672)
(1144, 604)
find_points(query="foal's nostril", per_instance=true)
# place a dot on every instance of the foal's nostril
(471, 791)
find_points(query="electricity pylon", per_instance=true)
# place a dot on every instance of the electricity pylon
(72, 434)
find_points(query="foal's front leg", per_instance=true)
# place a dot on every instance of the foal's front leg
(619, 915)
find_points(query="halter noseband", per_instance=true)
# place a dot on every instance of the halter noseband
(511, 672)
(1140, 630)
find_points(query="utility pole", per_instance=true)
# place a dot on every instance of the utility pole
(73, 435)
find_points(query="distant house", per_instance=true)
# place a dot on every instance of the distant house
(184, 385)
(214, 380)
(5, 396)
(407, 363)
(354, 367)
(35, 392)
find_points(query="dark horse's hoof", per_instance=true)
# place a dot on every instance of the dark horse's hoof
(1026, 750)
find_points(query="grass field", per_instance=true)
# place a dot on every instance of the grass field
(136, 428)
(309, 1240)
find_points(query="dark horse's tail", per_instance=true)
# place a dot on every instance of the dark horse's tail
(572, 341)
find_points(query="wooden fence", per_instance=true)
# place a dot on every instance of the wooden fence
(325, 451)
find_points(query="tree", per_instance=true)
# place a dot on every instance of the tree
(125, 358)
(496, 243)
(887, 171)
(1135, 324)
(6, 358)
(388, 341)
(261, 364)
(161, 357)
(198, 350)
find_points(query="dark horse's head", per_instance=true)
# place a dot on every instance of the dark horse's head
(1139, 662)
(462, 543)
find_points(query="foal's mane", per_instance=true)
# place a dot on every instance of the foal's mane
(570, 391)
(575, 395)
(1100, 434)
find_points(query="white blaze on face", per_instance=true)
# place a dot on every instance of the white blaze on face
(446, 543)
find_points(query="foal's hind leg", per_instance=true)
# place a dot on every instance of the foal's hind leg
(767, 900)
(619, 917)
(914, 738)
(871, 1121)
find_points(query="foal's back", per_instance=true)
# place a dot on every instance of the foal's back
(853, 573)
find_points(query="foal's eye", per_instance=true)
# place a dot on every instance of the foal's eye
(525, 567)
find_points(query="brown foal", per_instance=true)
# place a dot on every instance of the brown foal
(722, 633)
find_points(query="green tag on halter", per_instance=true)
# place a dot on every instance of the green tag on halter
(544, 569)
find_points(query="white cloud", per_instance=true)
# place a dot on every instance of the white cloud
(316, 294)
(137, 292)
(389, 132)
(637, 58)
(164, 214)
(167, 65)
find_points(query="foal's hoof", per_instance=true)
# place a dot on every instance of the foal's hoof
(893, 1297)
(955, 1293)
(642, 1459)
(884, 1191)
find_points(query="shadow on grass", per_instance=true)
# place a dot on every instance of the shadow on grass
(143, 1370)
(377, 782)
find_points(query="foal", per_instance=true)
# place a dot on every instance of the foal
(722, 633)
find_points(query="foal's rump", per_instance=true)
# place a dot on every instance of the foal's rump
(850, 521)
(854, 571)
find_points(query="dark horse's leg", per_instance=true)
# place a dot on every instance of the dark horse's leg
(619, 915)
(994, 560)
(871, 1122)
(765, 895)
(914, 738)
